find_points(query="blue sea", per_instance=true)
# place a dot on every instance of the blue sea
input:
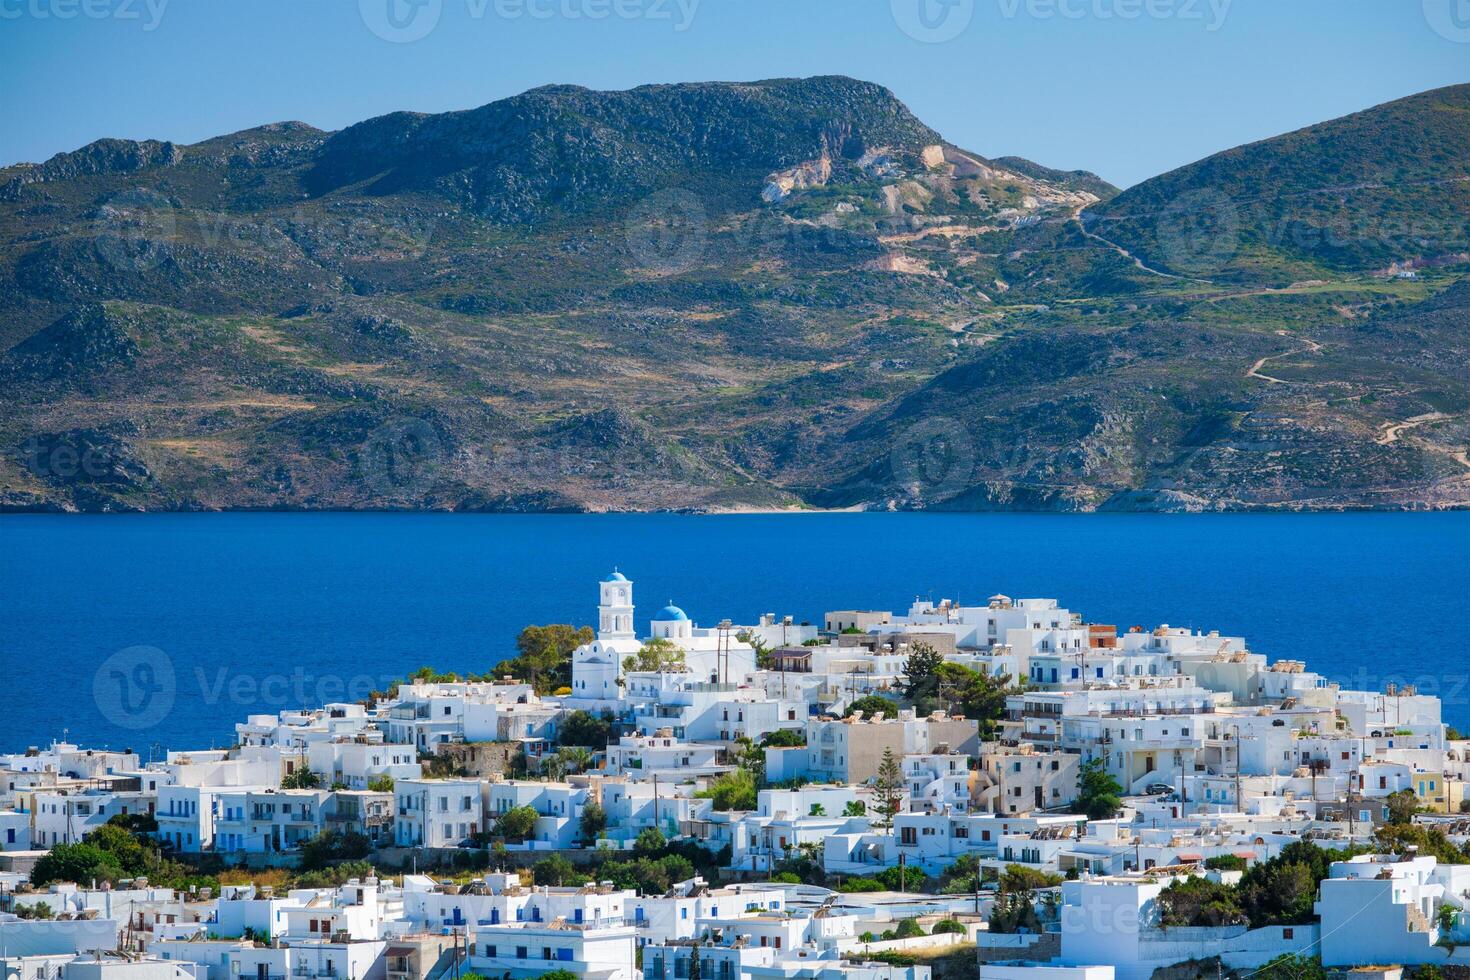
(162, 631)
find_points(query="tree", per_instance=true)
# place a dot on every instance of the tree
(544, 656)
(1015, 904)
(81, 863)
(947, 925)
(1402, 806)
(871, 704)
(921, 677)
(750, 757)
(517, 823)
(975, 694)
(962, 875)
(650, 841)
(135, 823)
(330, 847)
(302, 778)
(576, 758)
(658, 654)
(908, 929)
(1393, 838)
(38, 911)
(889, 785)
(855, 808)
(584, 729)
(1198, 901)
(784, 738)
(594, 821)
(1018, 879)
(557, 870)
(765, 659)
(694, 968)
(1290, 967)
(382, 783)
(1099, 795)
(734, 790)
(817, 810)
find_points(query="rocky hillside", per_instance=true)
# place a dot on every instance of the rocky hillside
(1368, 192)
(711, 296)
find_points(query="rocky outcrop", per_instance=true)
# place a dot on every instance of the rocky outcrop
(83, 343)
(105, 156)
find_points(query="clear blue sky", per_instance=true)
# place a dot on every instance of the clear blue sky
(1127, 88)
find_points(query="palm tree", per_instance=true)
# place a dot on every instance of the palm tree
(577, 758)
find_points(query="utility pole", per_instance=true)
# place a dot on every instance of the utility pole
(723, 654)
(1239, 805)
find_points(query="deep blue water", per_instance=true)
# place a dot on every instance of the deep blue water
(260, 612)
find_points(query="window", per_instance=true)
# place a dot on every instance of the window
(1288, 933)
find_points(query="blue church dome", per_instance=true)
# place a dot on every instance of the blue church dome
(616, 577)
(670, 614)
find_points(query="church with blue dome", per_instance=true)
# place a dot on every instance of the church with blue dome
(597, 667)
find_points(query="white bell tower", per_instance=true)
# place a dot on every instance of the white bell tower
(615, 608)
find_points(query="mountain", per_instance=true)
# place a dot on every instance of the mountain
(1358, 194)
(711, 296)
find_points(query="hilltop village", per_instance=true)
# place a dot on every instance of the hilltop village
(1001, 789)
